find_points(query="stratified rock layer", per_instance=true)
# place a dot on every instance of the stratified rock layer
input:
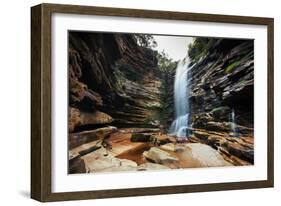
(223, 82)
(110, 74)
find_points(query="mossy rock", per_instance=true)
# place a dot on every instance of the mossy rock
(232, 66)
(220, 111)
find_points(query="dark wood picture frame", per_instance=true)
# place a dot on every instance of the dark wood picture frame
(41, 101)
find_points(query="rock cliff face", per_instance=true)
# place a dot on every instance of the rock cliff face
(222, 99)
(111, 80)
(223, 84)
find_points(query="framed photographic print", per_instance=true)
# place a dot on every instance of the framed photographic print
(132, 102)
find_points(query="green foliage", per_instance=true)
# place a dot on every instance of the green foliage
(199, 48)
(232, 66)
(163, 112)
(165, 64)
(146, 40)
(166, 67)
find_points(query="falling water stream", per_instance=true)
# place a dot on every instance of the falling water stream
(233, 123)
(181, 90)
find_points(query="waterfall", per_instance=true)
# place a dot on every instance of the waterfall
(181, 90)
(233, 124)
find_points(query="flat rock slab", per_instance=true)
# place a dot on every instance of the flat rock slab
(103, 161)
(121, 143)
(187, 155)
(202, 155)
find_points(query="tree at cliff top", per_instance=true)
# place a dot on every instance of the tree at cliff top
(146, 40)
(199, 48)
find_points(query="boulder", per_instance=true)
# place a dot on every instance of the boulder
(159, 156)
(205, 156)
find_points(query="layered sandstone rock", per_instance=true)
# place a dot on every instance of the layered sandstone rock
(112, 74)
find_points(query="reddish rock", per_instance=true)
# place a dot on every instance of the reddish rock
(78, 118)
(77, 139)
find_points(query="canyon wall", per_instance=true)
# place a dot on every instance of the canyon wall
(112, 80)
(222, 97)
(223, 83)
